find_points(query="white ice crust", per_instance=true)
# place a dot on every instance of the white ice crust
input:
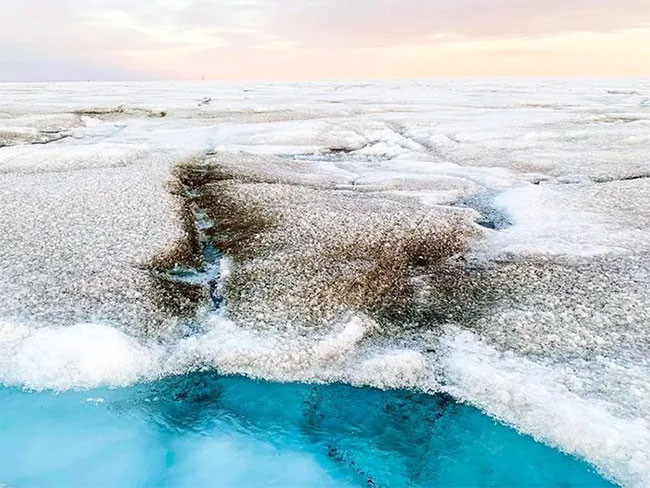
(532, 396)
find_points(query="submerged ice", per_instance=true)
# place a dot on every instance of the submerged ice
(487, 239)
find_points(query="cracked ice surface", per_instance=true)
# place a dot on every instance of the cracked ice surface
(543, 323)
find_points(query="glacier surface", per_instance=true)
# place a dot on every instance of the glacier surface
(484, 238)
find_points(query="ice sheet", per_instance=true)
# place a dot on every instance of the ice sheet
(559, 291)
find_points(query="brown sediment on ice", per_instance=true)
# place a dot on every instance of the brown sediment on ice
(618, 119)
(120, 111)
(609, 179)
(172, 300)
(174, 297)
(306, 251)
(14, 138)
(37, 129)
(185, 252)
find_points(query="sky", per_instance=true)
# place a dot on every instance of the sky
(67, 40)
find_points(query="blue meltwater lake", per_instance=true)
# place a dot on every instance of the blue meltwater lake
(209, 430)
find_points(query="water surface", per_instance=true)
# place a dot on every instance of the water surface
(208, 430)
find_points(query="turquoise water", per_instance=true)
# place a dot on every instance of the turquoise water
(207, 430)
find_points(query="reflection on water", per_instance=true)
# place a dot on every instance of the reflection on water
(207, 430)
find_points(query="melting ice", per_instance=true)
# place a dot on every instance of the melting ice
(483, 240)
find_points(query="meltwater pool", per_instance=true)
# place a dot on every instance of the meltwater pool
(208, 430)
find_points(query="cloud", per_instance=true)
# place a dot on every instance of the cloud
(365, 23)
(20, 63)
(164, 37)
